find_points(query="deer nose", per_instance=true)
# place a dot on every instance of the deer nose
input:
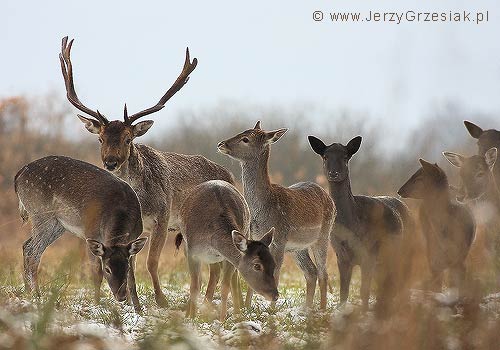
(111, 164)
(333, 175)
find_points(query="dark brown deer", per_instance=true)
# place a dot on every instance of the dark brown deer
(215, 223)
(161, 179)
(303, 214)
(59, 193)
(478, 189)
(486, 139)
(368, 231)
(448, 227)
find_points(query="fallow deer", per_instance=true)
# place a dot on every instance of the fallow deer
(486, 139)
(161, 179)
(302, 214)
(58, 193)
(478, 189)
(215, 223)
(368, 231)
(448, 227)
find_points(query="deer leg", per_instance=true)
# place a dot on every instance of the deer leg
(44, 233)
(236, 288)
(132, 290)
(436, 281)
(96, 267)
(248, 298)
(158, 238)
(194, 290)
(366, 280)
(227, 273)
(345, 271)
(212, 281)
(236, 291)
(457, 278)
(320, 251)
(303, 260)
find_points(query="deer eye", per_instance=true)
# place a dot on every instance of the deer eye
(257, 267)
(128, 141)
(100, 140)
(245, 140)
(107, 270)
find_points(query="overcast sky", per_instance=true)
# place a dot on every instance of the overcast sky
(256, 53)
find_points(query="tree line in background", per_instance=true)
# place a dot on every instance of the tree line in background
(31, 128)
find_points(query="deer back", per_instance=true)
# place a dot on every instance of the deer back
(80, 195)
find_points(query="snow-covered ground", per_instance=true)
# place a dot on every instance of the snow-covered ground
(71, 319)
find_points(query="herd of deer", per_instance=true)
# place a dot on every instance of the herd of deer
(144, 189)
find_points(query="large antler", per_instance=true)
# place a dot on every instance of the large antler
(179, 83)
(67, 71)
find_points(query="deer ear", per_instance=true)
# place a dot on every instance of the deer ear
(90, 124)
(353, 145)
(257, 126)
(474, 130)
(268, 238)
(428, 167)
(96, 247)
(317, 145)
(273, 136)
(239, 241)
(135, 247)
(491, 157)
(140, 128)
(455, 159)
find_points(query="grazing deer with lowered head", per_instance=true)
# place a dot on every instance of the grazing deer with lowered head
(368, 231)
(303, 214)
(215, 223)
(161, 179)
(59, 193)
(448, 227)
(486, 139)
(479, 191)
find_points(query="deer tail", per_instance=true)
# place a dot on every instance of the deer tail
(178, 242)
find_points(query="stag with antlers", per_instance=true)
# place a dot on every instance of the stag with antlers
(161, 179)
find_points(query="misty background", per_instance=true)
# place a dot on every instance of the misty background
(405, 88)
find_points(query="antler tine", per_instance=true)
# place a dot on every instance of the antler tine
(67, 71)
(178, 84)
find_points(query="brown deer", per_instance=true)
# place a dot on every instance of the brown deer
(479, 191)
(58, 193)
(161, 179)
(369, 231)
(303, 214)
(486, 139)
(448, 227)
(215, 223)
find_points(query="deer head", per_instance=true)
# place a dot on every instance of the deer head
(116, 136)
(250, 143)
(257, 266)
(475, 173)
(427, 182)
(335, 157)
(115, 263)
(486, 139)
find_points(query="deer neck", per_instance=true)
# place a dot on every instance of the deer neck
(132, 169)
(492, 194)
(435, 202)
(343, 198)
(255, 178)
(231, 254)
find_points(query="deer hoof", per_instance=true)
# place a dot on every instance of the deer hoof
(161, 301)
